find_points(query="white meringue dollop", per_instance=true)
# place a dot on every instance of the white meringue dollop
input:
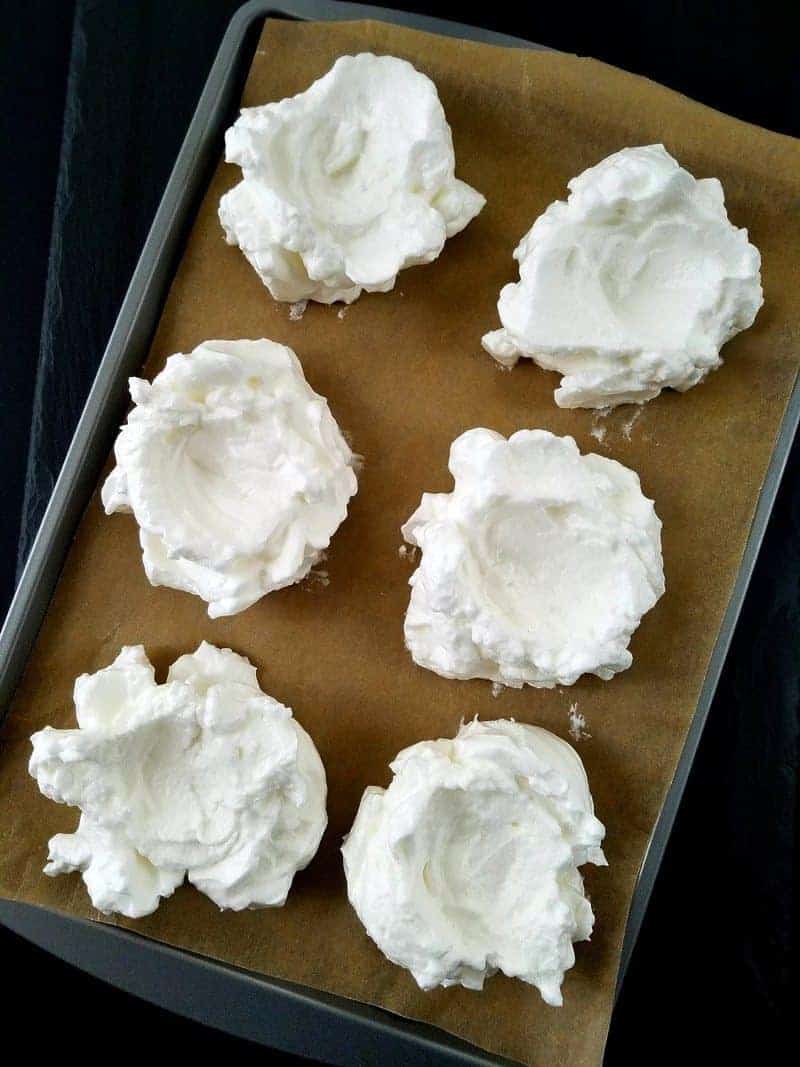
(345, 184)
(631, 285)
(468, 863)
(536, 568)
(235, 470)
(204, 777)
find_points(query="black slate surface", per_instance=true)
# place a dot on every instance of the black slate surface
(713, 970)
(34, 79)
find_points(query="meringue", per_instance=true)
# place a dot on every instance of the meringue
(536, 568)
(468, 863)
(205, 777)
(630, 286)
(235, 471)
(346, 183)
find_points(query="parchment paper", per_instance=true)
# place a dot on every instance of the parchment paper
(404, 373)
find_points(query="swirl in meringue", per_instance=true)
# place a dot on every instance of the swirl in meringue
(235, 471)
(345, 184)
(631, 285)
(468, 863)
(204, 777)
(536, 568)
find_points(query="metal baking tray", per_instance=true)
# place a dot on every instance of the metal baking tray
(279, 1014)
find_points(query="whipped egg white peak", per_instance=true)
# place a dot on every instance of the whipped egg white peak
(235, 470)
(536, 568)
(631, 285)
(468, 863)
(204, 777)
(345, 184)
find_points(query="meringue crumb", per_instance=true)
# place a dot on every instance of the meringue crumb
(629, 423)
(577, 724)
(340, 314)
(597, 431)
(297, 310)
(497, 689)
(408, 552)
(357, 460)
(316, 578)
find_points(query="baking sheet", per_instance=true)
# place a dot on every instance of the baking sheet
(404, 373)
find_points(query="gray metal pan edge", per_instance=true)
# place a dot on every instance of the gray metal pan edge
(279, 1014)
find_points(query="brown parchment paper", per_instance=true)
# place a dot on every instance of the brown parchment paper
(404, 373)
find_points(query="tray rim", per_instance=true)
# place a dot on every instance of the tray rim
(127, 345)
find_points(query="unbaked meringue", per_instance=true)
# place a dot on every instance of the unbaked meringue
(630, 286)
(346, 183)
(536, 568)
(205, 777)
(235, 471)
(468, 863)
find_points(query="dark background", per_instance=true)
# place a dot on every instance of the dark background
(97, 97)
